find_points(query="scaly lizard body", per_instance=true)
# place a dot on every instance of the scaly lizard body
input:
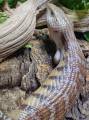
(59, 91)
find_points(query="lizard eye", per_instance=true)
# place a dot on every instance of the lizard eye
(52, 13)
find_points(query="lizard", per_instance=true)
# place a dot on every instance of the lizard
(60, 89)
(58, 92)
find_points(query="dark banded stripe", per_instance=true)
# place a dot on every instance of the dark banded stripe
(60, 68)
(54, 77)
(42, 97)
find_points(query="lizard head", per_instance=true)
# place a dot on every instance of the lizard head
(53, 9)
(51, 18)
(56, 15)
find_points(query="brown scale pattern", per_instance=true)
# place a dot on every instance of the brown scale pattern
(59, 91)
